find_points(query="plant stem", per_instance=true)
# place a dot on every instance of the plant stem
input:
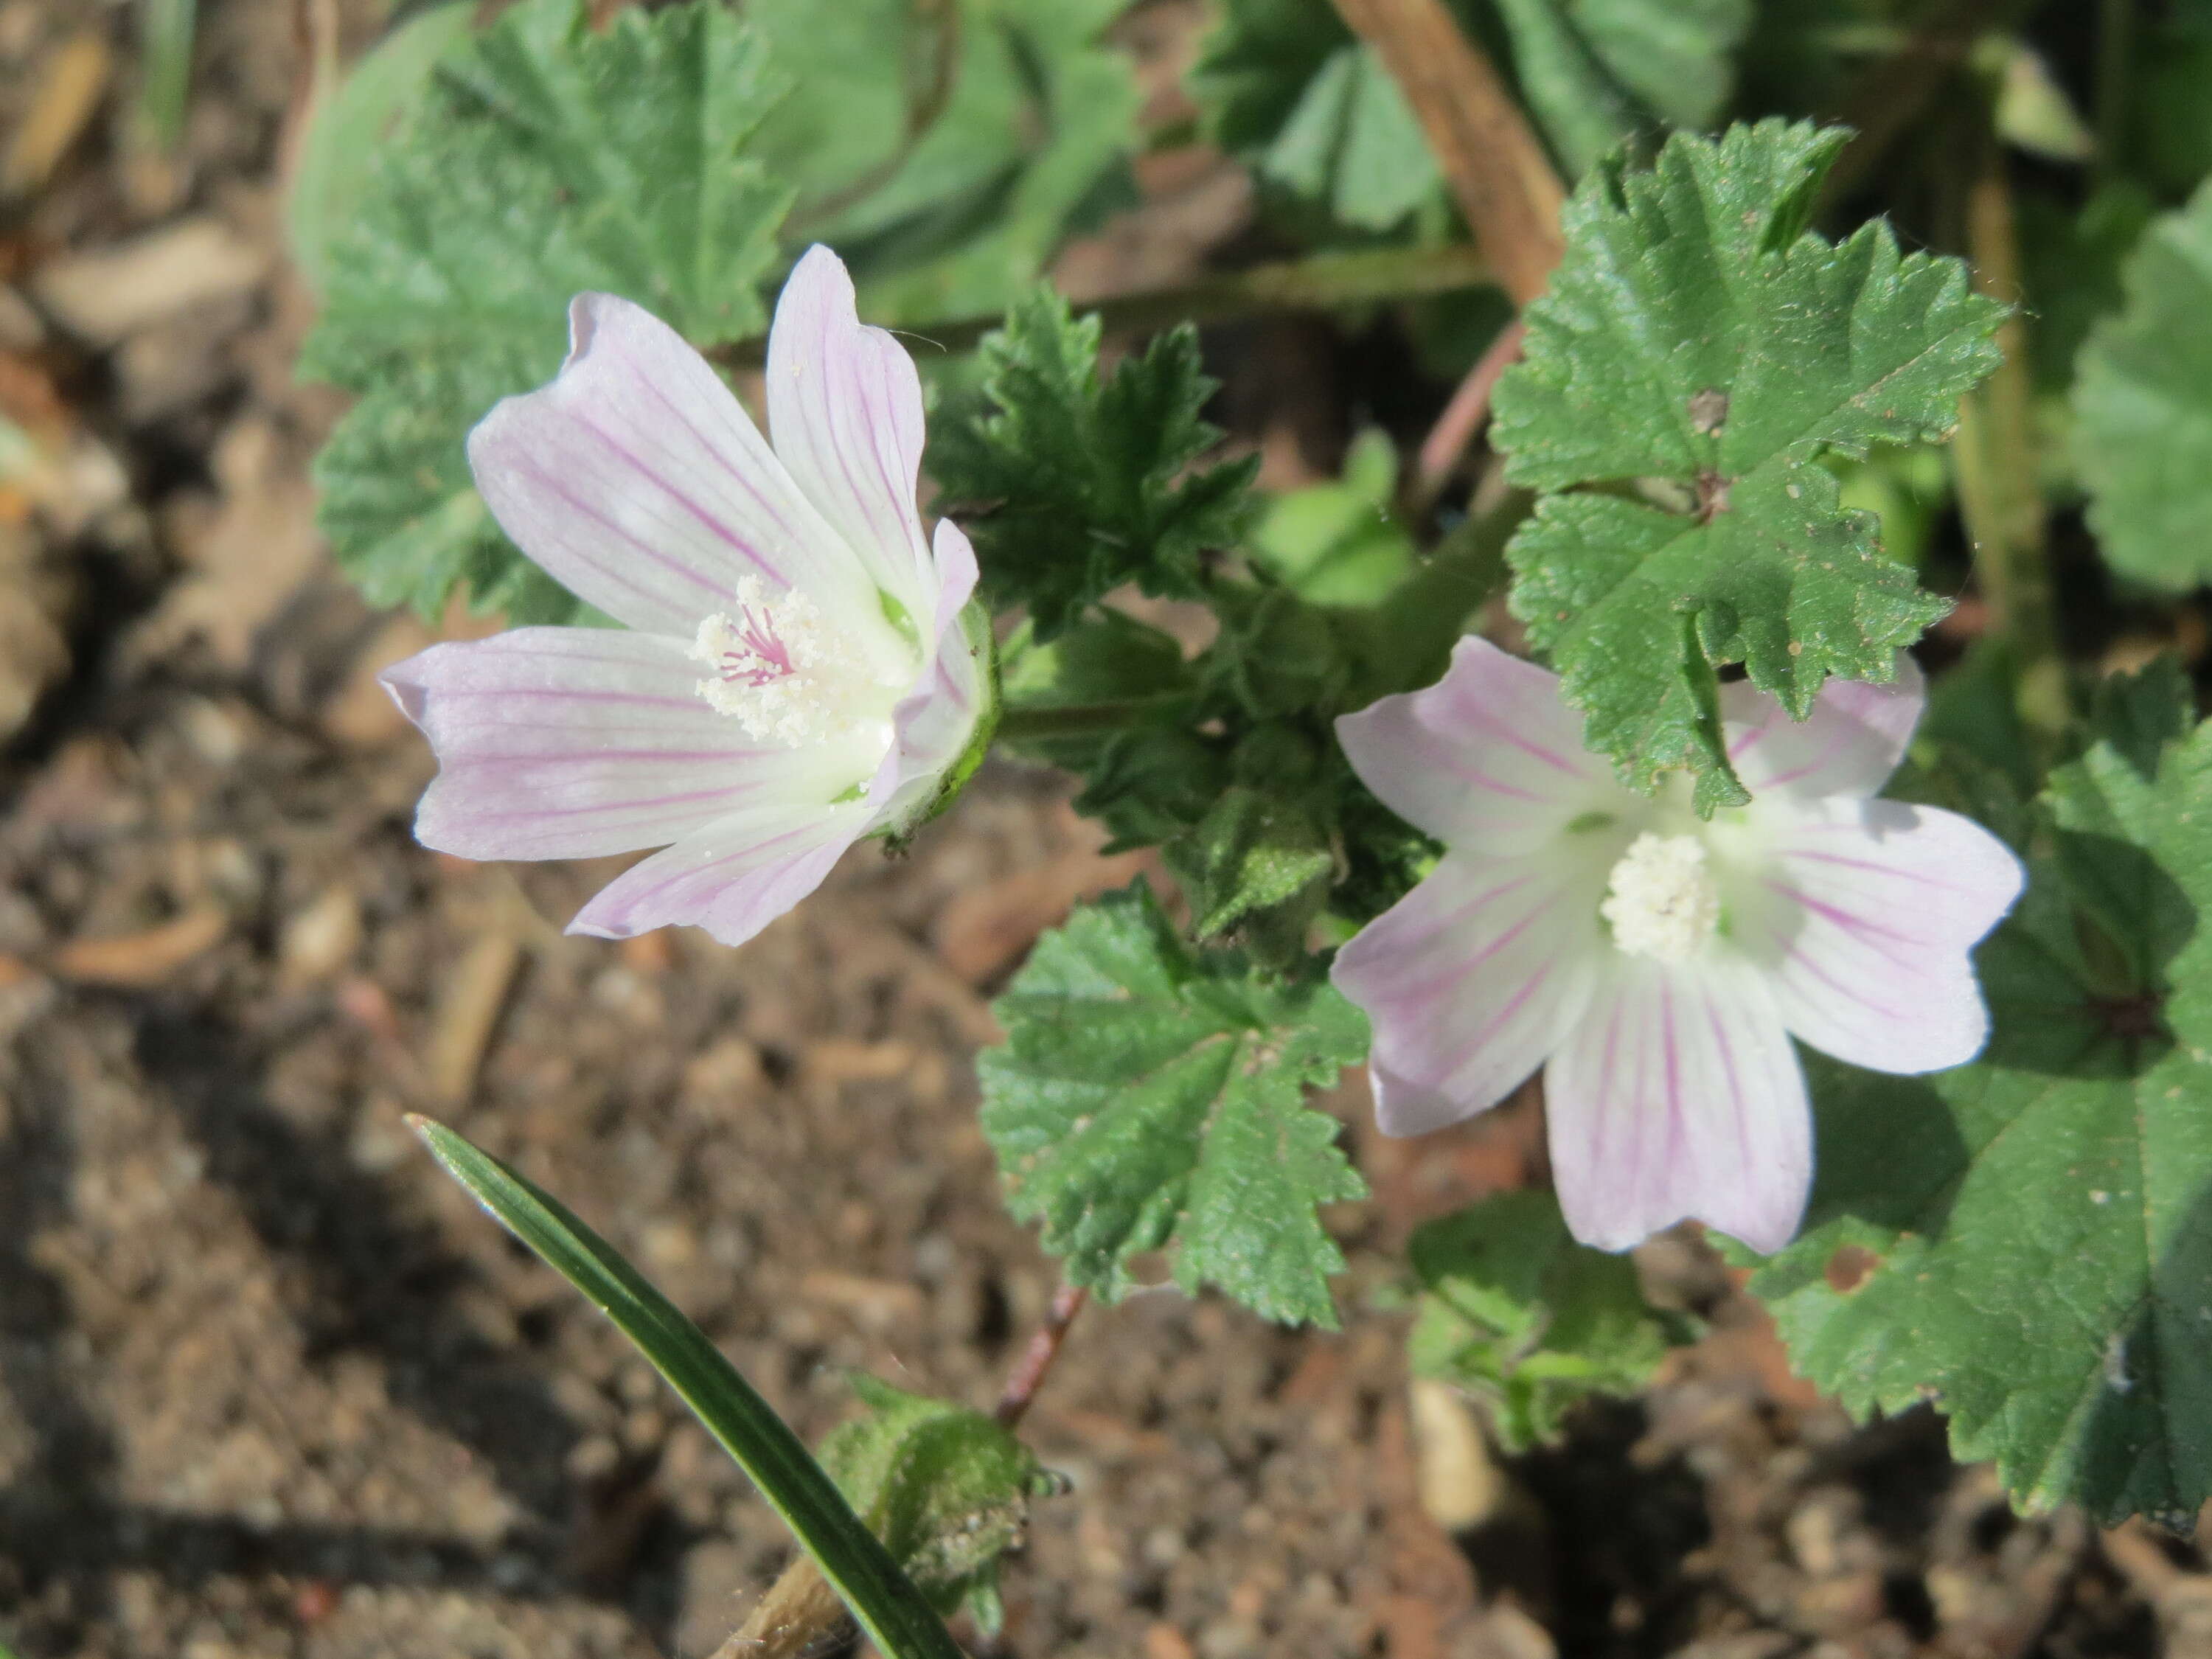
(1464, 415)
(1498, 169)
(1041, 723)
(1029, 1370)
(1995, 459)
(166, 32)
(1324, 282)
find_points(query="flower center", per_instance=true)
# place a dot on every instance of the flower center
(782, 672)
(1660, 900)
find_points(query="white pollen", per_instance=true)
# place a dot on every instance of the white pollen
(1660, 900)
(786, 675)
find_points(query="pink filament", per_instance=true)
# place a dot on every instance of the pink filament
(764, 657)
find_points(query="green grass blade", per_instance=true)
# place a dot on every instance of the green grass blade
(166, 32)
(897, 1618)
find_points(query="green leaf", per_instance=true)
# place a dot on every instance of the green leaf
(946, 150)
(855, 1562)
(947, 1489)
(1284, 87)
(1697, 352)
(1337, 544)
(1515, 1312)
(2143, 408)
(1074, 483)
(1149, 1097)
(1127, 671)
(338, 155)
(1258, 865)
(1599, 73)
(2028, 1239)
(1353, 146)
(545, 161)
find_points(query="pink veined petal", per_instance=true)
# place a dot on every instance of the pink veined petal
(579, 742)
(1849, 745)
(1488, 757)
(640, 483)
(1677, 1095)
(1866, 919)
(733, 876)
(934, 722)
(1470, 980)
(844, 407)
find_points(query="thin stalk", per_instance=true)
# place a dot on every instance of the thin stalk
(1030, 1372)
(1491, 157)
(166, 32)
(1996, 464)
(1325, 282)
(1041, 723)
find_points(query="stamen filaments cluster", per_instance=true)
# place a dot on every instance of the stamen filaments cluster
(784, 673)
(1660, 900)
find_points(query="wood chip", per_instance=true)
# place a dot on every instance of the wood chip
(108, 295)
(468, 1008)
(68, 92)
(136, 960)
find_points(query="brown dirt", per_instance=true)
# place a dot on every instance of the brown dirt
(270, 1385)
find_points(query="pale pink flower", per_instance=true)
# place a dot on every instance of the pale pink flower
(794, 672)
(1656, 965)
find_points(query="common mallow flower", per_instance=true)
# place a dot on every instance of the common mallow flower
(1656, 965)
(794, 671)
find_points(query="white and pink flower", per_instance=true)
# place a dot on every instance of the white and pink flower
(795, 671)
(1654, 965)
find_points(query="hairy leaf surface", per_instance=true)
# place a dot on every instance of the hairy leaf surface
(1697, 352)
(2029, 1238)
(1149, 1097)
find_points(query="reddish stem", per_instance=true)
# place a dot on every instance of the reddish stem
(1463, 416)
(1037, 1359)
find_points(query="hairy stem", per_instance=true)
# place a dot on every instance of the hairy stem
(1491, 157)
(1464, 415)
(1040, 723)
(1324, 282)
(1030, 1372)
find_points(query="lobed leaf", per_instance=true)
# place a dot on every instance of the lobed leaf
(1149, 1097)
(1076, 482)
(2143, 409)
(1515, 1312)
(1697, 352)
(2028, 1239)
(545, 161)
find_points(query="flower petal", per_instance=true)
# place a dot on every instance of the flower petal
(1488, 757)
(1848, 745)
(934, 722)
(1470, 980)
(732, 878)
(640, 483)
(844, 406)
(579, 742)
(1866, 919)
(1678, 1096)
